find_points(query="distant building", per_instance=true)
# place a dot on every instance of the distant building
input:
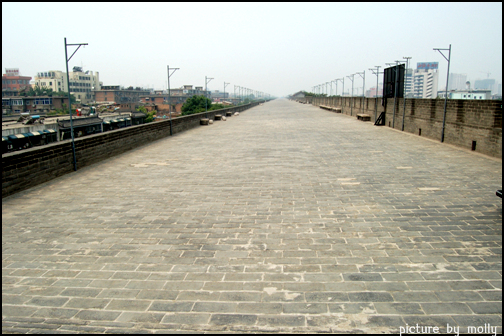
(118, 95)
(33, 105)
(12, 80)
(485, 84)
(372, 92)
(82, 83)
(467, 94)
(217, 95)
(457, 81)
(53, 79)
(297, 95)
(188, 91)
(423, 81)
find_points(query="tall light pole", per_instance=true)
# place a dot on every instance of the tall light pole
(169, 93)
(207, 80)
(363, 75)
(342, 91)
(224, 97)
(407, 58)
(446, 88)
(351, 100)
(377, 73)
(69, 99)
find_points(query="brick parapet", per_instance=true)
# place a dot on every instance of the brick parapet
(27, 168)
(471, 124)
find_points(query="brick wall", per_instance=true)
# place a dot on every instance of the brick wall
(28, 168)
(467, 123)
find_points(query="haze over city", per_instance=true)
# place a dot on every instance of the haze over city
(275, 48)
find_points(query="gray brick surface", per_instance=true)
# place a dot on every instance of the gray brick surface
(286, 218)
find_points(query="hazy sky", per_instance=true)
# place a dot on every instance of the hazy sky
(277, 48)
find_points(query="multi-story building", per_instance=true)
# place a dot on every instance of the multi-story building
(12, 80)
(33, 105)
(177, 97)
(82, 83)
(53, 79)
(119, 95)
(423, 81)
(485, 84)
(457, 81)
(466, 94)
(372, 92)
(219, 96)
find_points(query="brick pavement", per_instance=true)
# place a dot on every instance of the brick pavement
(287, 218)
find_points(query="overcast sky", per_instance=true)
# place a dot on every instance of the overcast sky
(277, 48)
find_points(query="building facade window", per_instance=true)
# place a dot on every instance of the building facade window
(42, 101)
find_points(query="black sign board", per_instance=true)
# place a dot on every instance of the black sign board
(390, 76)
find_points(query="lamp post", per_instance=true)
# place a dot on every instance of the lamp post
(351, 100)
(225, 84)
(446, 88)
(377, 73)
(69, 99)
(169, 94)
(363, 75)
(407, 58)
(207, 80)
(342, 91)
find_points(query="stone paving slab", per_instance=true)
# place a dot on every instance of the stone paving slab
(286, 218)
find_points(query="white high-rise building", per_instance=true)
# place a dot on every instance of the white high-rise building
(423, 81)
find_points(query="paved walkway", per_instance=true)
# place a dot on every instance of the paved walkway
(284, 218)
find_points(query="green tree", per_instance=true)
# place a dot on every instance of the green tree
(217, 107)
(150, 115)
(196, 104)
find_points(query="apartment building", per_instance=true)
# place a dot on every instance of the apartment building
(81, 85)
(119, 95)
(422, 82)
(12, 80)
(52, 79)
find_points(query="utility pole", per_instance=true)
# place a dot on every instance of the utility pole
(363, 75)
(224, 97)
(342, 91)
(207, 80)
(69, 98)
(169, 94)
(446, 89)
(407, 58)
(377, 73)
(351, 100)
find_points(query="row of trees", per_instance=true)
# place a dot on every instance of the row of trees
(311, 94)
(197, 104)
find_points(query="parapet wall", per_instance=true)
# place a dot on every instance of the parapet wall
(27, 168)
(472, 124)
